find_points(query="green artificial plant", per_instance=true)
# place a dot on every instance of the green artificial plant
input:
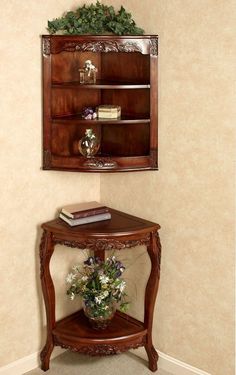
(95, 19)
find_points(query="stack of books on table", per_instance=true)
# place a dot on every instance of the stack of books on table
(84, 213)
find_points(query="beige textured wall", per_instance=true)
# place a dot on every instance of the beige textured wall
(29, 196)
(192, 195)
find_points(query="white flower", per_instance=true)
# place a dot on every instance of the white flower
(72, 296)
(84, 278)
(70, 278)
(98, 299)
(122, 286)
(103, 279)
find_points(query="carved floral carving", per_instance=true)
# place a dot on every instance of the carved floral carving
(103, 244)
(101, 349)
(103, 46)
(154, 47)
(46, 46)
(100, 163)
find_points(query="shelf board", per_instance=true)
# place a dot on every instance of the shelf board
(103, 84)
(124, 119)
(76, 327)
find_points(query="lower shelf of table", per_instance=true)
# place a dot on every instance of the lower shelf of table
(75, 333)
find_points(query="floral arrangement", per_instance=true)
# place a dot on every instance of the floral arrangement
(99, 284)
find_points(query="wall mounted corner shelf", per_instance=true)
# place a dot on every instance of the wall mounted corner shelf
(127, 76)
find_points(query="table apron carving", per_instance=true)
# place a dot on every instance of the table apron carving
(103, 243)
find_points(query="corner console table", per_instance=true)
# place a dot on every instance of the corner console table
(122, 231)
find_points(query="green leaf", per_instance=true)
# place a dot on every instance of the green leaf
(95, 19)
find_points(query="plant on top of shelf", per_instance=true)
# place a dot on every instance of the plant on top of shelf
(95, 19)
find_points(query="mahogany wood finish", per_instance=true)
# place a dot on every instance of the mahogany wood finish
(74, 332)
(127, 76)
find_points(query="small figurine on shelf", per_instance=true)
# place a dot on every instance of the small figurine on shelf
(89, 113)
(88, 73)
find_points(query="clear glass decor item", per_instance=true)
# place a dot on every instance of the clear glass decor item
(99, 316)
(89, 144)
(87, 75)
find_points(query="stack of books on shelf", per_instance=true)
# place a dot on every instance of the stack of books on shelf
(84, 213)
(108, 111)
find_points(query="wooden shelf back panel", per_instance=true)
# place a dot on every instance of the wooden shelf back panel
(133, 67)
(66, 65)
(132, 102)
(126, 140)
(65, 138)
(71, 102)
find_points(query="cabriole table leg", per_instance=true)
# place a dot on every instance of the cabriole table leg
(154, 252)
(46, 251)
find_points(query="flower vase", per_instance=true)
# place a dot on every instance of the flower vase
(89, 144)
(99, 316)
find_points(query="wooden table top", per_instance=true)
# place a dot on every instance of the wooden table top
(120, 224)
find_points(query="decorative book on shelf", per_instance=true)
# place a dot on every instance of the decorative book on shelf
(85, 220)
(82, 210)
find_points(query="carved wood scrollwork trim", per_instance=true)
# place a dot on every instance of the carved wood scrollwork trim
(103, 46)
(103, 244)
(101, 349)
(153, 47)
(46, 46)
(105, 163)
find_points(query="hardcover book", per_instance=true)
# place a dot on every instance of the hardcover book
(85, 220)
(81, 210)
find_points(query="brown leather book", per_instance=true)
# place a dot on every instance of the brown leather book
(86, 209)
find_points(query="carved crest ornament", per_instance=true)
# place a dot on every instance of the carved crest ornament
(99, 46)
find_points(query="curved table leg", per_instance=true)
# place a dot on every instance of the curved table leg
(46, 354)
(154, 252)
(46, 251)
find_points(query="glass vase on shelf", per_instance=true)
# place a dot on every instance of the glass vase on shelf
(89, 144)
(99, 315)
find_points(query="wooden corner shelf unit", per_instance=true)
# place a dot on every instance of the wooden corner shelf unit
(73, 332)
(127, 76)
